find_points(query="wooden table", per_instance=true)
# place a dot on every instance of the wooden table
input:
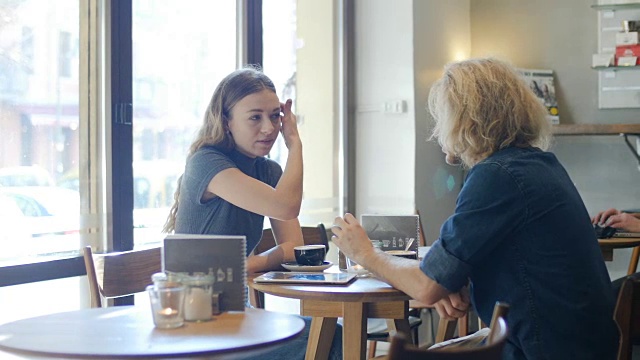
(128, 332)
(356, 302)
(607, 246)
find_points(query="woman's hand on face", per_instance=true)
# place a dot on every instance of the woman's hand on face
(602, 218)
(624, 221)
(350, 237)
(289, 127)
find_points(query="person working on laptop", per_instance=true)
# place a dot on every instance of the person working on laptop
(618, 220)
(520, 232)
(229, 185)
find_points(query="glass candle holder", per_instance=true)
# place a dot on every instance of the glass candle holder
(167, 305)
(198, 297)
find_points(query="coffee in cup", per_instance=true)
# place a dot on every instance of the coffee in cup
(310, 255)
(408, 254)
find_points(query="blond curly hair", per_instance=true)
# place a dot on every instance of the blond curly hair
(483, 105)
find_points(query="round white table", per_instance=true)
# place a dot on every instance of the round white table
(355, 302)
(128, 332)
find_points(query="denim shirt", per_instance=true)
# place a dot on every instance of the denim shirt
(521, 234)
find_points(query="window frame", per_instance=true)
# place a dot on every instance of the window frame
(118, 134)
(116, 102)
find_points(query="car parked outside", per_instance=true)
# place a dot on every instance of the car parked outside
(50, 215)
(25, 176)
(15, 236)
(154, 185)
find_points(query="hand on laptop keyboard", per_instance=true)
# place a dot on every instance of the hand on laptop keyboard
(604, 232)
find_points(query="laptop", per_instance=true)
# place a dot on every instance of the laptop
(313, 278)
(626, 234)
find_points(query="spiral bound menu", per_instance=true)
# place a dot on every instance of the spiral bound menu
(219, 255)
(395, 232)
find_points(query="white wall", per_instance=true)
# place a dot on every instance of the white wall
(401, 48)
(442, 34)
(562, 35)
(385, 143)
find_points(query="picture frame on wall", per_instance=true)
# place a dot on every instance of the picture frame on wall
(542, 84)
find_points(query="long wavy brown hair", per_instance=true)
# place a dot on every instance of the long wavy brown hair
(214, 130)
(483, 105)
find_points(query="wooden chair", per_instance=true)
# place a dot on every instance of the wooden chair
(400, 349)
(373, 338)
(627, 317)
(119, 274)
(311, 236)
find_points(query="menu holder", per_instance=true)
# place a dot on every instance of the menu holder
(394, 232)
(220, 255)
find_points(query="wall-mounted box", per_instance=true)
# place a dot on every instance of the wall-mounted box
(618, 87)
(628, 50)
(626, 38)
(603, 60)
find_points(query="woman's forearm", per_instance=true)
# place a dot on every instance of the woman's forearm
(289, 188)
(271, 259)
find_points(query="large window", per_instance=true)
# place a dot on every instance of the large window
(39, 210)
(39, 151)
(93, 156)
(301, 57)
(180, 53)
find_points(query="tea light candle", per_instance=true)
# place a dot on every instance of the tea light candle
(167, 313)
(197, 305)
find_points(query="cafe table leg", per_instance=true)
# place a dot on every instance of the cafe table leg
(320, 338)
(633, 263)
(354, 332)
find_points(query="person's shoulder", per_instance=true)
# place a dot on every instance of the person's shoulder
(209, 149)
(498, 164)
(514, 164)
(270, 168)
(515, 157)
(269, 163)
(209, 159)
(210, 153)
(513, 152)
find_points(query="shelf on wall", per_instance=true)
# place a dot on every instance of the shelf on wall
(616, 68)
(616, 6)
(596, 129)
(625, 130)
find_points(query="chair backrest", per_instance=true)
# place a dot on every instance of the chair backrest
(627, 317)
(119, 274)
(311, 235)
(402, 349)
